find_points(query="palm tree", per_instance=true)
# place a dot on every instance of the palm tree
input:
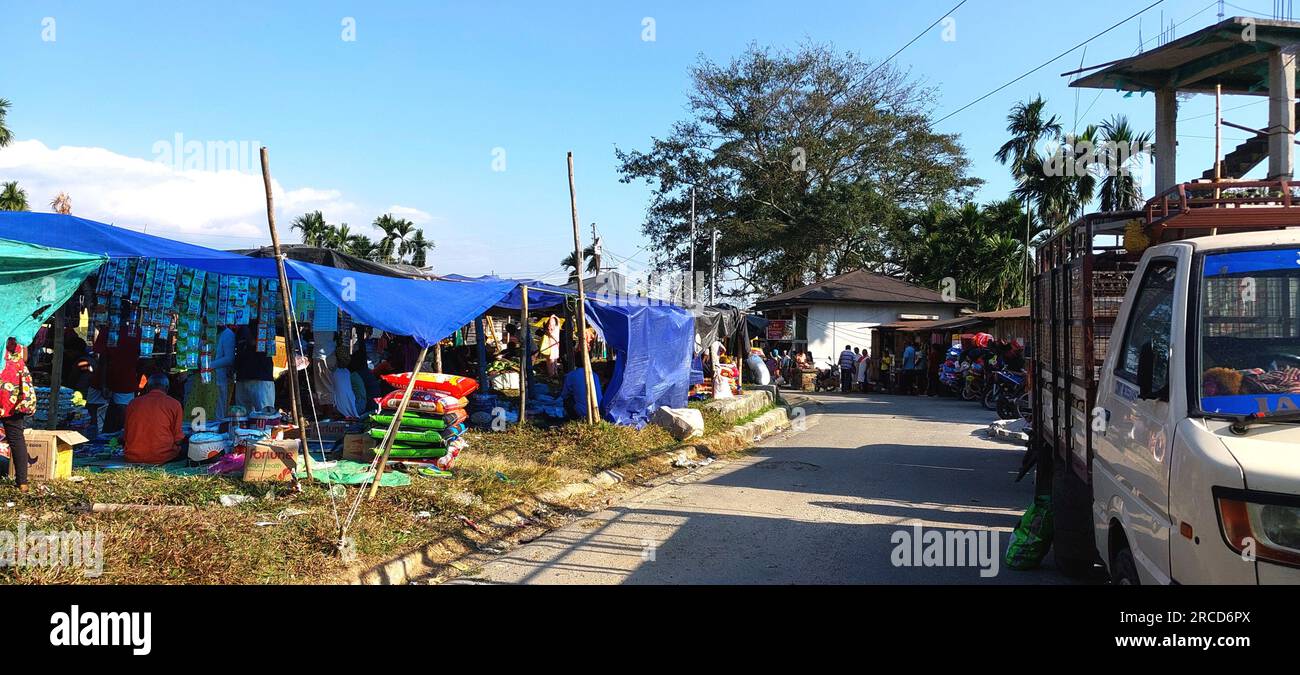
(12, 197)
(313, 227)
(1027, 127)
(588, 256)
(361, 246)
(1122, 148)
(6, 136)
(419, 248)
(1062, 185)
(397, 236)
(336, 237)
(61, 203)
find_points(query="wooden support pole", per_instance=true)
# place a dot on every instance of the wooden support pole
(480, 343)
(286, 307)
(437, 358)
(386, 445)
(581, 333)
(56, 372)
(525, 356)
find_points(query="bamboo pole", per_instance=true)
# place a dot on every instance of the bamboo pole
(525, 337)
(582, 299)
(386, 445)
(286, 306)
(56, 372)
(437, 358)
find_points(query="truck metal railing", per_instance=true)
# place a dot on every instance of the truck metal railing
(1222, 205)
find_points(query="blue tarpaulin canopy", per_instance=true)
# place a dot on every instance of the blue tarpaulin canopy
(541, 295)
(426, 310)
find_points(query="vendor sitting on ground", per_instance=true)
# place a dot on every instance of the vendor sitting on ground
(153, 424)
(574, 393)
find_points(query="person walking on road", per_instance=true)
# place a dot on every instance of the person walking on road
(848, 362)
(909, 369)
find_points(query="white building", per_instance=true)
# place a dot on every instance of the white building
(843, 310)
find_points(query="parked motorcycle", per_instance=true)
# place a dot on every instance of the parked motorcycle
(828, 377)
(1008, 396)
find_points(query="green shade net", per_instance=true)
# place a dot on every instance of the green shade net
(34, 282)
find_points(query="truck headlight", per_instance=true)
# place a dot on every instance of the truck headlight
(1264, 524)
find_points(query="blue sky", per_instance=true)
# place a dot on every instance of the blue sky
(410, 113)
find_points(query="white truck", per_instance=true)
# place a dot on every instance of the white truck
(1166, 388)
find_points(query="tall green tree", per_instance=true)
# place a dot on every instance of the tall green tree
(397, 237)
(313, 227)
(6, 136)
(12, 197)
(1061, 184)
(1122, 152)
(795, 158)
(1028, 125)
(419, 248)
(588, 257)
(981, 248)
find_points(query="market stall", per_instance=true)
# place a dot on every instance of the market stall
(172, 303)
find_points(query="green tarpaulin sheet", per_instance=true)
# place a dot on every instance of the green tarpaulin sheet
(348, 472)
(35, 281)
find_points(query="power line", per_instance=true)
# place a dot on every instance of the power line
(1139, 49)
(918, 37)
(1048, 62)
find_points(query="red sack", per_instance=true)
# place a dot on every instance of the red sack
(423, 400)
(455, 385)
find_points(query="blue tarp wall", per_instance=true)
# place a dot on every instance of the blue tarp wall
(653, 345)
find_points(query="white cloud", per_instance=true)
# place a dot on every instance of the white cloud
(412, 214)
(221, 209)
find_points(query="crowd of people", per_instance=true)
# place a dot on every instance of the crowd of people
(911, 370)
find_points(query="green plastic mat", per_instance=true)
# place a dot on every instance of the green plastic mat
(347, 472)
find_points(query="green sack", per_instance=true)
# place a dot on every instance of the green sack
(426, 436)
(416, 451)
(1032, 537)
(410, 421)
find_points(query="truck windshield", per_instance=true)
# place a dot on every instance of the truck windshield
(1250, 332)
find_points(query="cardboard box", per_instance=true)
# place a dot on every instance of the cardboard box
(329, 430)
(359, 447)
(271, 461)
(52, 452)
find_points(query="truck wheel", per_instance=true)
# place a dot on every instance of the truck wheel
(1123, 570)
(1073, 543)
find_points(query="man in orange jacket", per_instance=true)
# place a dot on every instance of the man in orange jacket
(153, 425)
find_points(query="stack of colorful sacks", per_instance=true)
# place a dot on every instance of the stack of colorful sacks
(435, 418)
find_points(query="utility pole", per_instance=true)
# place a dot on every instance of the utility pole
(692, 266)
(713, 268)
(595, 247)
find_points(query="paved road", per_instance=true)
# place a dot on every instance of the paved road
(826, 505)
